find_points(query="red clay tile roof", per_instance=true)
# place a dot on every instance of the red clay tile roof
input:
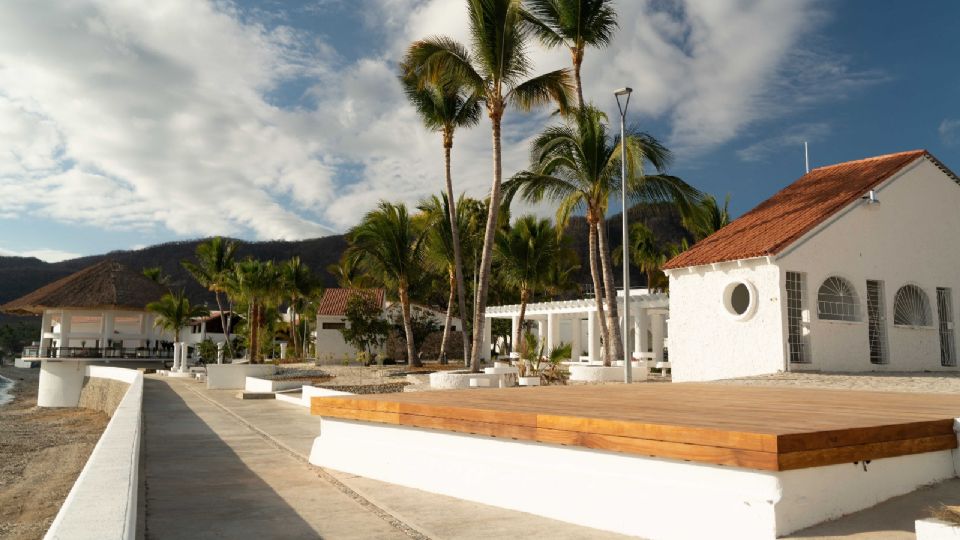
(334, 301)
(795, 210)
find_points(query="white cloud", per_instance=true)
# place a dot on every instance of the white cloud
(791, 141)
(48, 255)
(949, 131)
(163, 115)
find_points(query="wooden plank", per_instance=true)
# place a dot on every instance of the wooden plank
(865, 452)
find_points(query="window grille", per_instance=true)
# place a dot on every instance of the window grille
(911, 308)
(877, 328)
(948, 345)
(837, 301)
(797, 338)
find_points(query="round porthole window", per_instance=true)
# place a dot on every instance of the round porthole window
(739, 299)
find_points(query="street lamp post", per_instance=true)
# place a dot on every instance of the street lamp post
(627, 358)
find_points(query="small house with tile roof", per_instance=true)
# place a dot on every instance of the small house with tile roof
(332, 317)
(853, 267)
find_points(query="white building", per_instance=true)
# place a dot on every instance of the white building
(332, 317)
(98, 312)
(850, 268)
(575, 322)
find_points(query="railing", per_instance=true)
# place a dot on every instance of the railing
(91, 352)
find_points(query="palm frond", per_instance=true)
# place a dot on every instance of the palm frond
(552, 87)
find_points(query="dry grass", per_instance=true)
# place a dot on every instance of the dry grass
(949, 514)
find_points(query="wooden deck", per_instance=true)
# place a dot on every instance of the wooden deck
(766, 428)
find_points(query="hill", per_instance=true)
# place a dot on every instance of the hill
(21, 275)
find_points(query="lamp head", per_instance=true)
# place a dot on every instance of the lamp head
(623, 91)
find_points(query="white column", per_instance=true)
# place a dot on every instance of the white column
(553, 331)
(176, 357)
(60, 383)
(184, 352)
(656, 329)
(65, 329)
(643, 324)
(44, 328)
(593, 337)
(283, 350)
(106, 329)
(575, 347)
(487, 338)
(541, 331)
(203, 330)
(220, 352)
(637, 349)
(514, 325)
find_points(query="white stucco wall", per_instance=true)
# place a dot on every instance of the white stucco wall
(706, 341)
(909, 237)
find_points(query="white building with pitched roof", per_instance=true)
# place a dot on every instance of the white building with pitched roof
(853, 267)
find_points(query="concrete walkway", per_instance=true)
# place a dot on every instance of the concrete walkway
(220, 467)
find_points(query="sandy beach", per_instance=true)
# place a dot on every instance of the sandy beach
(41, 453)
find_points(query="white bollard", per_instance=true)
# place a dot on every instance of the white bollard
(176, 358)
(283, 350)
(220, 352)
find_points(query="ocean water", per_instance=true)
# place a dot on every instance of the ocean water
(6, 386)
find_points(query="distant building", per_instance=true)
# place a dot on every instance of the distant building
(98, 312)
(332, 317)
(853, 267)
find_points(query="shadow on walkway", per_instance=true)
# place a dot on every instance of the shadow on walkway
(198, 487)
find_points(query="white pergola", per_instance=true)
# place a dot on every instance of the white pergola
(563, 322)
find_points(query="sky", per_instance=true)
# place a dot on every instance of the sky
(125, 124)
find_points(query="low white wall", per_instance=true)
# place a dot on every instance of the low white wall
(256, 384)
(934, 529)
(234, 376)
(634, 495)
(103, 500)
(599, 373)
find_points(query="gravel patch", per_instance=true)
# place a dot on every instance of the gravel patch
(41, 454)
(931, 383)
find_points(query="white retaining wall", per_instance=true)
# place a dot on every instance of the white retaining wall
(103, 500)
(934, 529)
(642, 496)
(234, 376)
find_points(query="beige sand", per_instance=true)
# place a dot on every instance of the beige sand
(41, 453)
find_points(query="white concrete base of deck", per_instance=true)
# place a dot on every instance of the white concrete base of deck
(648, 497)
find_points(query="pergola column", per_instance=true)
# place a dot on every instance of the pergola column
(541, 331)
(64, 329)
(553, 331)
(643, 325)
(514, 326)
(656, 329)
(575, 347)
(487, 339)
(593, 336)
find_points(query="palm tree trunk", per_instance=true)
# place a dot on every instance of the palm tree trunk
(223, 321)
(518, 340)
(254, 327)
(457, 256)
(229, 327)
(412, 359)
(598, 291)
(577, 53)
(615, 345)
(488, 235)
(293, 326)
(446, 321)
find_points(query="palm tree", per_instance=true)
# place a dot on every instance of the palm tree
(440, 251)
(646, 252)
(175, 312)
(526, 254)
(347, 274)
(388, 245)
(707, 217)
(445, 107)
(298, 285)
(213, 266)
(577, 164)
(156, 275)
(574, 24)
(256, 283)
(494, 70)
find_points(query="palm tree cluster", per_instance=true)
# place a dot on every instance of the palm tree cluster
(259, 289)
(574, 164)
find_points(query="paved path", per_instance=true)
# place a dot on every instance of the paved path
(220, 467)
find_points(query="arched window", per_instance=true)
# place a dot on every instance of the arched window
(837, 300)
(911, 308)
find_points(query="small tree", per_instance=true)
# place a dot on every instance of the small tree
(366, 329)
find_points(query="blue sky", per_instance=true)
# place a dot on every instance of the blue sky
(123, 126)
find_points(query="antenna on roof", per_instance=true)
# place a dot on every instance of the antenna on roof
(806, 156)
